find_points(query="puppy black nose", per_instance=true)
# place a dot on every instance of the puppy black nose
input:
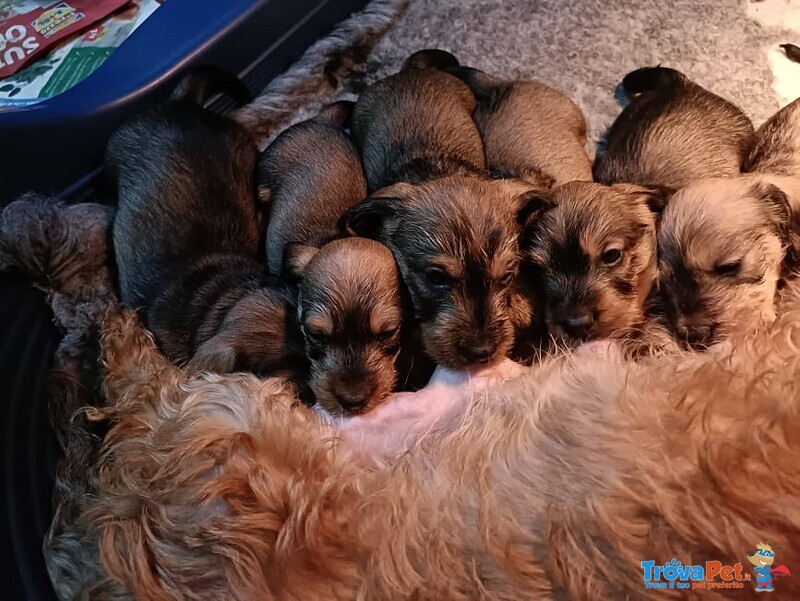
(476, 353)
(353, 395)
(694, 335)
(578, 325)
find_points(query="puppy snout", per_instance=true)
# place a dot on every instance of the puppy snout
(578, 324)
(693, 332)
(477, 353)
(354, 394)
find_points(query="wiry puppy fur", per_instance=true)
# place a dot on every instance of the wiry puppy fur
(417, 125)
(672, 133)
(591, 251)
(529, 130)
(308, 177)
(351, 314)
(455, 243)
(186, 241)
(724, 246)
(220, 488)
(777, 144)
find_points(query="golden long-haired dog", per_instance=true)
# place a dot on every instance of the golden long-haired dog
(557, 484)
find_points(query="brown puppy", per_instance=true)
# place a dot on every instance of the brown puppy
(591, 250)
(455, 242)
(557, 485)
(351, 313)
(308, 177)
(529, 130)
(777, 144)
(724, 246)
(672, 133)
(417, 125)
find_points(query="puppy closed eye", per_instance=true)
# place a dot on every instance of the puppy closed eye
(611, 256)
(386, 335)
(438, 277)
(728, 269)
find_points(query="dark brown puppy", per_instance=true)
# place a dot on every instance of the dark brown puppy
(777, 144)
(308, 177)
(186, 237)
(530, 131)
(351, 313)
(417, 125)
(673, 132)
(455, 243)
(591, 250)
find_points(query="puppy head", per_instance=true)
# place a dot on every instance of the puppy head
(455, 242)
(350, 312)
(721, 243)
(592, 252)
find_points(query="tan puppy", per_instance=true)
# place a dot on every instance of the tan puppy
(216, 488)
(308, 177)
(591, 250)
(529, 130)
(777, 144)
(724, 246)
(417, 125)
(672, 133)
(351, 314)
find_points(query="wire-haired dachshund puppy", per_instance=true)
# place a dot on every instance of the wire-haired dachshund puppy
(186, 237)
(417, 125)
(673, 132)
(308, 177)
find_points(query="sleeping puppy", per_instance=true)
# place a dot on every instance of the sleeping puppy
(530, 131)
(725, 247)
(308, 177)
(186, 237)
(351, 314)
(455, 243)
(777, 144)
(417, 125)
(672, 133)
(591, 251)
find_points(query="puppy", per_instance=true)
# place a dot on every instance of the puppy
(777, 144)
(455, 243)
(530, 131)
(559, 484)
(672, 133)
(725, 245)
(186, 237)
(351, 314)
(417, 125)
(308, 177)
(591, 250)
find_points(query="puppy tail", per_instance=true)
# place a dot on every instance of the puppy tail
(206, 81)
(431, 58)
(338, 113)
(483, 85)
(334, 65)
(648, 79)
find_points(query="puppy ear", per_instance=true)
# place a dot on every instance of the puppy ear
(368, 217)
(296, 257)
(531, 205)
(430, 58)
(782, 216)
(655, 196)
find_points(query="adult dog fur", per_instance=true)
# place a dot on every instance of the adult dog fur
(186, 237)
(222, 487)
(308, 177)
(530, 131)
(672, 133)
(417, 125)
